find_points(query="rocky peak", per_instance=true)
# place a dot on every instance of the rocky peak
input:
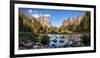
(67, 22)
(78, 20)
(70, 21)
(35, 18)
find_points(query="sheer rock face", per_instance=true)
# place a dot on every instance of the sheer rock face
(78, 20)
(67, 22)
(31, 20)
(44, 21)
(71, 21)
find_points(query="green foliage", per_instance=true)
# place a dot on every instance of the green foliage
(86, 40)
(85, 24)
(70, 27)
(63, 29)
(31, 36)
(45, 40)
(27, 25)
(36, 38)
(23, 28)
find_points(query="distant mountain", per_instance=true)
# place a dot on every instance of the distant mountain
(71, 21)
(39, 23)
(78, 20)
(44, 21)
(34, 23)
(67, 22)
(71, 25)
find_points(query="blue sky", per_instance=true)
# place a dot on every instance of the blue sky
(56, 17)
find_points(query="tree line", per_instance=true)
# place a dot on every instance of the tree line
(27, 25)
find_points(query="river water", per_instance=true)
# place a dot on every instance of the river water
(56, 41)
(72, 40)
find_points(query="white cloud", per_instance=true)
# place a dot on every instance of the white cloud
(47, 15)
(36, 15)
(30, 11)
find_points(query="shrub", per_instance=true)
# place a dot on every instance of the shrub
(86, 40)
(30, 36)
(45, 40)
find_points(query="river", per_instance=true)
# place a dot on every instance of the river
(71, 40)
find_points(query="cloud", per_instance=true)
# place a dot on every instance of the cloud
(47, 15)
(30, 10)
(36, 15)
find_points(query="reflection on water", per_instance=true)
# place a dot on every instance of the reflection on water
(65, 40)
(52, 41)
(56, 40)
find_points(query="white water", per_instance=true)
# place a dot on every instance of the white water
(68, 39)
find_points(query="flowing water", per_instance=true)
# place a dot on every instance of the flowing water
(57, 40)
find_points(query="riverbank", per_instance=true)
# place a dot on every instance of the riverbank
(38, 41)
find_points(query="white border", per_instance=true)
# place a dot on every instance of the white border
(34, 51)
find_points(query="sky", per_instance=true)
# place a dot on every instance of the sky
(56, 17)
